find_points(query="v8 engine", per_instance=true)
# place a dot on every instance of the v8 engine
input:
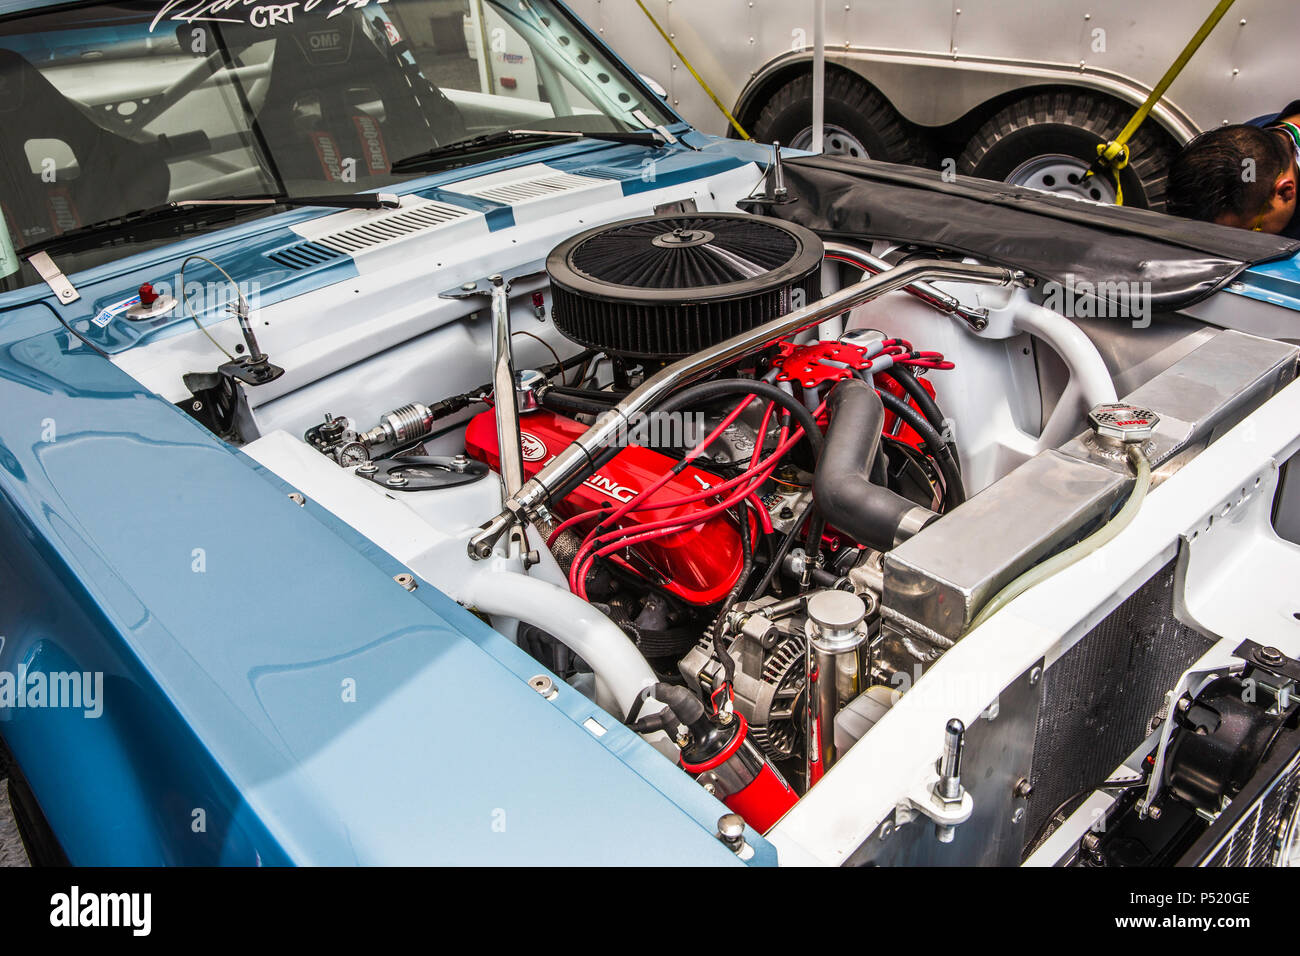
(725, 521)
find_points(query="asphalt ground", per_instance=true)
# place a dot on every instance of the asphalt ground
(11, 845)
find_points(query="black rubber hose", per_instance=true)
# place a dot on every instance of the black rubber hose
(782, 550)
(549, 371)
(908, 381)
(680, 706)
(606, 396)
(610, 396)
(746, 569)
(705, 391)
(816, 529)
(842, 487)
(955, 492)
(556, 401)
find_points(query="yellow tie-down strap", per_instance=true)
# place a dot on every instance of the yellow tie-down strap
(1113, 156)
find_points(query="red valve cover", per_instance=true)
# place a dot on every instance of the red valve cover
(698, 564)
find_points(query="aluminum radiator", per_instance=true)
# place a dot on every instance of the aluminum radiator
(1100, 696)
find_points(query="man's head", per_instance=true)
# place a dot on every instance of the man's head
(1241, 176)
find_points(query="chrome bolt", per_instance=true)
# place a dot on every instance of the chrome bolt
(543, 685)
(949, 788)
(731, 831)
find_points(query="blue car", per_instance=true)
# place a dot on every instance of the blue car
(420, 446)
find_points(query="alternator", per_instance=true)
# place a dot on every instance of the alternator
(769, 679)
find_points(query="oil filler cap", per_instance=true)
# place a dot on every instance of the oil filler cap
(1123, 422)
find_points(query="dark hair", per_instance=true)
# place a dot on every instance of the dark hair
(1208, 178)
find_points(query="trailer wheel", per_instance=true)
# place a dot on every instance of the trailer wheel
(859, 122)
(1048, 141)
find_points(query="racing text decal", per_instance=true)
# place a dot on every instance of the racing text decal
(255, 13)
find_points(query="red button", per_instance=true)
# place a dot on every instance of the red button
(147, 295)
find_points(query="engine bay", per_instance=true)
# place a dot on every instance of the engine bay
(702, 465)
(695, 532)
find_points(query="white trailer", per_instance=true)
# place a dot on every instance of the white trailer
(1008, 90)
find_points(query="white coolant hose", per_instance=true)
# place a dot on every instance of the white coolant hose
(1087, 368)
(1062, 560)
(621, 671)
(1090, 383)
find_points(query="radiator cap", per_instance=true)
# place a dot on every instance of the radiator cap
(1123, 422)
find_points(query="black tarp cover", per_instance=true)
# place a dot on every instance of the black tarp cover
(1054, 238)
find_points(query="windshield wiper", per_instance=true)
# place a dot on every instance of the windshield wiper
(508, 137)
(183, 207)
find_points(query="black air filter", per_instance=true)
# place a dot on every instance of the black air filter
(668, 286)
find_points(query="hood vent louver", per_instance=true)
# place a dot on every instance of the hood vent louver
(380, 230)
(357, 231)
(303, 255)
(525, 184)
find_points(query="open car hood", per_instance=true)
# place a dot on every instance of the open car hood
(1050, 237)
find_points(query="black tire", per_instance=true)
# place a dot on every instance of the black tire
(1071, 124)
(851, 105)
(39, 841)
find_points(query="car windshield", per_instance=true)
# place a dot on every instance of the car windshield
(107, 109)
